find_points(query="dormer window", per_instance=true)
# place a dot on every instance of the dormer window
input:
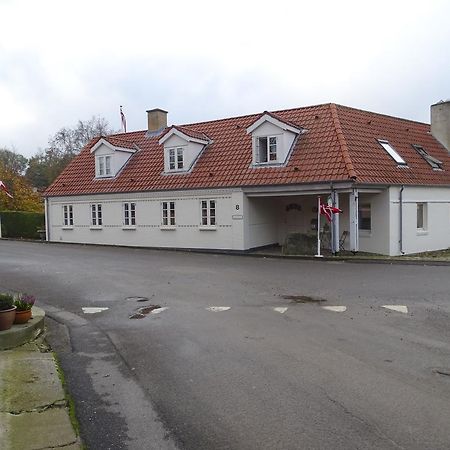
(273, 140)
(111, 154)
(104, 166)
(266, 149)
(176, 158)
(182, 148)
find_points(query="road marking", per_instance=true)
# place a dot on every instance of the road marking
(280, 310)
(399, 308)
(159, 310)
(93, 310)
(218, 308)
(335, 308)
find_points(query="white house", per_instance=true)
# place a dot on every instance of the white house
(246, 182)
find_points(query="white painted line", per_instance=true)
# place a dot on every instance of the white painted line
(335, 308)
(93, 310)
(159, 310)
(399, 308)
(280, 310)
(218, 308)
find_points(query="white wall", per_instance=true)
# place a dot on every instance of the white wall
(437, 234)
(228, 234)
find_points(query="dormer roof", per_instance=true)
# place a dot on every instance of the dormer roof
(115, 143)
(276, 120)
(187, 134)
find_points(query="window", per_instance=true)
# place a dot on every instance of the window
(208, 213)
(129, 214)
(104, 166)
(364, 217)
(392, 152)
(168, 214)
(433, 162)
(68, 215)
(176, 158)
(266, 149)
(421, 216)
(96, 215)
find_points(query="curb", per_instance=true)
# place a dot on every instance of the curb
(18, 335)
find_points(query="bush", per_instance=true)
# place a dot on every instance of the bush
(21, 224)
(6, 301)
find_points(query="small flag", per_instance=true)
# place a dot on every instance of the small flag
(327, 210)
(123, 120)
(3, 188)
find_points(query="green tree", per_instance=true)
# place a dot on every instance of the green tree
(13, 161)
(46, 165)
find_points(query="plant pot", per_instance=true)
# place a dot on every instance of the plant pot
(7, 318)
(22, 316)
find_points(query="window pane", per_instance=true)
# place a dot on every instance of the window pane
(172, 159)
(392, 152)
(262, 150)
(180, 158)
(420, 215)
(101, 165)
(272, 148)
(364, 219)
(107, 165)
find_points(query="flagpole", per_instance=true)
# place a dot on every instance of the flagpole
(318, 229)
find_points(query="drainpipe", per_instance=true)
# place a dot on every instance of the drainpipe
(47, 220)
(401, 219)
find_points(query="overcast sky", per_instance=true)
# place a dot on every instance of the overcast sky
(61, 61)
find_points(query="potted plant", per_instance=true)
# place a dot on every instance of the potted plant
(23, 303)
(7, 311)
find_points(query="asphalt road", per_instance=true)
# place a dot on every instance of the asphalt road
(250, 377)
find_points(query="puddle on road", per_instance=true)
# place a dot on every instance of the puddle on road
(144, 311)
(303, 299)
(137, 299)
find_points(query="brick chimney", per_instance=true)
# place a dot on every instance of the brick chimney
(440, 122)
(157, 121)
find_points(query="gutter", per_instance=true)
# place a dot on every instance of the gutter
(401, 218)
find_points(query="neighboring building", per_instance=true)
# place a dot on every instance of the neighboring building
(246, 182)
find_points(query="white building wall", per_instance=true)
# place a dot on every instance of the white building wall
(436, 236)
(228, 234)
(377, 239)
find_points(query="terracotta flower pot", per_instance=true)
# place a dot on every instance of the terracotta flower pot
(7, 318)
(22, 316)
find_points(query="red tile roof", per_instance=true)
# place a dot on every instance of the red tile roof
(340, 144)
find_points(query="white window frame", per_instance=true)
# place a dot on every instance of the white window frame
(129, 215)
(168, 217)
(271, 149)
(390, 150)
(422, 219)
(208, 214)
(104, 166)
(175, 159)
(67, 216)
(96, 212)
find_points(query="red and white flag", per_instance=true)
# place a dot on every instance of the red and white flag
(123, 120)
(327, 210)
(3, 188)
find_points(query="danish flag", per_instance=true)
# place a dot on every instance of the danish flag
(3, 188)
(327, 210)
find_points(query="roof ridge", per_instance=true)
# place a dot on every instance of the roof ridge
(342, 141)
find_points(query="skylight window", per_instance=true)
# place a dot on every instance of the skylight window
(392, 152)
(433, 162)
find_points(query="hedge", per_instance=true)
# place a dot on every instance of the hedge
(21, 224)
